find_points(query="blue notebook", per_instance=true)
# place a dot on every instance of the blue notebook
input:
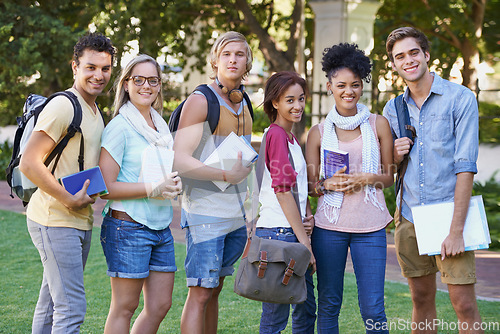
(73, 183)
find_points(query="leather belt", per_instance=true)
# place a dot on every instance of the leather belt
(120, 215)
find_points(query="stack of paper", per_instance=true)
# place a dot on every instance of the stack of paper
(432, 226)
(226, 155)
(156, 163)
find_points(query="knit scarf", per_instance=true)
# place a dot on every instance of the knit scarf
(161, 138)
(370, 156)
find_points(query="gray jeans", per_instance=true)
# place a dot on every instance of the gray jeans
(61, 304)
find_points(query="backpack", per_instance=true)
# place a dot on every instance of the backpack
(213, 113)
(19, 184)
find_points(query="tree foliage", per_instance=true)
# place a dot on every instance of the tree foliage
(37, 37)
(457, 28)
(36, 47)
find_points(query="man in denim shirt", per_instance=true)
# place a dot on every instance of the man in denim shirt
(441, 167)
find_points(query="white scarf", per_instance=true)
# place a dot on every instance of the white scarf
(370, 156)
(162, 137)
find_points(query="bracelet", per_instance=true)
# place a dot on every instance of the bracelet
(321, 190)
(224, 175)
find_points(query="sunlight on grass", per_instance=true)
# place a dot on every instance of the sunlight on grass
(21, 271)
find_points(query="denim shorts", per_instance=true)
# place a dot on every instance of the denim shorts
(132, 250)
(208, 260)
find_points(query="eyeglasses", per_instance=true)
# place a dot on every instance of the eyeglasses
(139, 80)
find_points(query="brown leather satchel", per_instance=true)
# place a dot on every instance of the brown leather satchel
(270, 270)
(273, 271)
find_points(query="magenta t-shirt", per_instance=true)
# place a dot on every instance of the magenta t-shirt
(283, 176)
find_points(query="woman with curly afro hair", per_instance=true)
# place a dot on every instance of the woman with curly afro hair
(351, 210)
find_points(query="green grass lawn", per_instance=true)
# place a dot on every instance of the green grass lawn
(21, 272)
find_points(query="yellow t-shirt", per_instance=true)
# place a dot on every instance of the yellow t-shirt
(54, 120)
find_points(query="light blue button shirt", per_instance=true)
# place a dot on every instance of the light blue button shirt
(126, 146)
(447, 143)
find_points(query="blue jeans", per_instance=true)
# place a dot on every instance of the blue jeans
(368, 253)
(61, 304)
(275, 316)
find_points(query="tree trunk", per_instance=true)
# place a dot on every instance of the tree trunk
(471, 60)
(276, 60)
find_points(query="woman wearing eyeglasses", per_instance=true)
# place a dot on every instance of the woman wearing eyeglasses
(136, 159)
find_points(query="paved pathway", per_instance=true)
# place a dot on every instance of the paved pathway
(487, 262)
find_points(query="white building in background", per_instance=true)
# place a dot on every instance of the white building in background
(352, 21)
(339, 21)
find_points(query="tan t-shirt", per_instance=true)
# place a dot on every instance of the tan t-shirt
(54, 120)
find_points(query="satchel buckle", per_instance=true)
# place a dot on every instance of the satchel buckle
(262, 264)
(288, 272)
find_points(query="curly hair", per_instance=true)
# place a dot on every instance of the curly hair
(345, 55)
(93, 41)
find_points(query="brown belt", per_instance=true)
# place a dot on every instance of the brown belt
(120, 215)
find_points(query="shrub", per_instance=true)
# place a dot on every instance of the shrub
(489, 123)
(5, 155)
(490, 191)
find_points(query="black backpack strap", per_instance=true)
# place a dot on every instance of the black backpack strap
(213, 111)
(73, 128)
(405, 130)
(249, 103)
(405, 127)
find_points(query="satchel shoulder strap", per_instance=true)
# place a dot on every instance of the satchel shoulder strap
(259, 175)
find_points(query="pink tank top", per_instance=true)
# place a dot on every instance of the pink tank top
(356, 216)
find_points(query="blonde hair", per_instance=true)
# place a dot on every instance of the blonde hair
(122, 96)
(220, 44)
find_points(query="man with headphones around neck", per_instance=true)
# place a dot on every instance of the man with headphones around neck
(213, 220)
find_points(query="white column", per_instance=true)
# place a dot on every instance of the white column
(339, 21)
(360, 20)
(330, 27)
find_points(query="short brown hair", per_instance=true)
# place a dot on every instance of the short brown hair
(93, 41)
(405, 32)
(276, 86)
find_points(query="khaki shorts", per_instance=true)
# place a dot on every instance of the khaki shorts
(456, 270)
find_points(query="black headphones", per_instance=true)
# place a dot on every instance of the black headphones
(234, 95)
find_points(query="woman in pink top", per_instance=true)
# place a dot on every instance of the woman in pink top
(351, 210)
